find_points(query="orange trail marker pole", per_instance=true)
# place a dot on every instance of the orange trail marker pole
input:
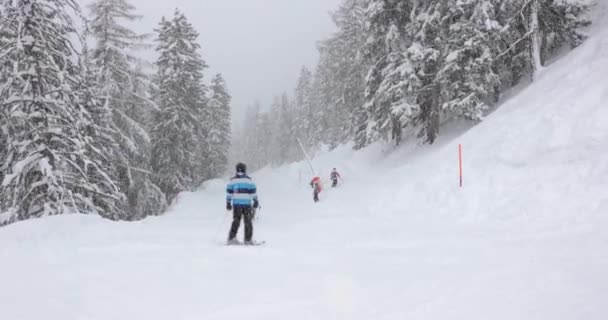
(460, 162)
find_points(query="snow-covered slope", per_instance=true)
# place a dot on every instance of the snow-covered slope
(524, 239)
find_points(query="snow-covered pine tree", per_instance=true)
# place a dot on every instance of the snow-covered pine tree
(304, 109)
(100, 142)
(278, 125)
(332, 110)
(47, 163)
(387, 107)
(290, 151)
(562, 23)
(534, 30)
(426, 54)
(452, 50)
(247, 145)
(264, 146)
(144, 196)
(511, 61)
(272, 118)
(121, 86)
(323, 103)
(468, 84)
(339, 81)
(3, 115)
(176, 159)
(219, 130)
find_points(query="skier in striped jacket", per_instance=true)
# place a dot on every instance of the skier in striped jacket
(241, 199)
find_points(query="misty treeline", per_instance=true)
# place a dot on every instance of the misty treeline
(399, 69)
(89, 126)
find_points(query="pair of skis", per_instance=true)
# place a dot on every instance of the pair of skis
(251, 243)
(239, 243)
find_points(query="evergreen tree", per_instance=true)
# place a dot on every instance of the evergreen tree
(339, 81)
(100, 144)
(47, 169)
(176, 157)
(219, 135)
(386, 104)
(121, 86)
(468, 81)
(561, 24)
(251, 147)
(264, 146)
(534, 30)
(4, 38)
(272, 124)
(286, 133)
(303, 105)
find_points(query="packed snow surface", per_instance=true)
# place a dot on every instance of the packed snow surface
(526, 238)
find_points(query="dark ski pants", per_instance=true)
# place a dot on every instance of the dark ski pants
(238, 213)
(315, 195)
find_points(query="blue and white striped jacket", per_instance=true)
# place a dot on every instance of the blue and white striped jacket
(241, 191)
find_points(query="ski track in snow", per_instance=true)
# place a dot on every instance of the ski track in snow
(524, 239)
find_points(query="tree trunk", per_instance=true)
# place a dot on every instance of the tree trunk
(535, 39)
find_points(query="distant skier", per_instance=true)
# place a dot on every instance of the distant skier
(317, 188)
(242, 199)
(334, 176)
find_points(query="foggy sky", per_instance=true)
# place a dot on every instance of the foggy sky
(258, 45)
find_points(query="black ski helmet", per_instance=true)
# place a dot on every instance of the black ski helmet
(241, 167)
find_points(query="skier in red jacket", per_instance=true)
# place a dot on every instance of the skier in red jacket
(317, 188)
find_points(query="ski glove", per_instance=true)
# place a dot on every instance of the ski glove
(256, 204)
(228, 206)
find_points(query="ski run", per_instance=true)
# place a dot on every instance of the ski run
(526, 237)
